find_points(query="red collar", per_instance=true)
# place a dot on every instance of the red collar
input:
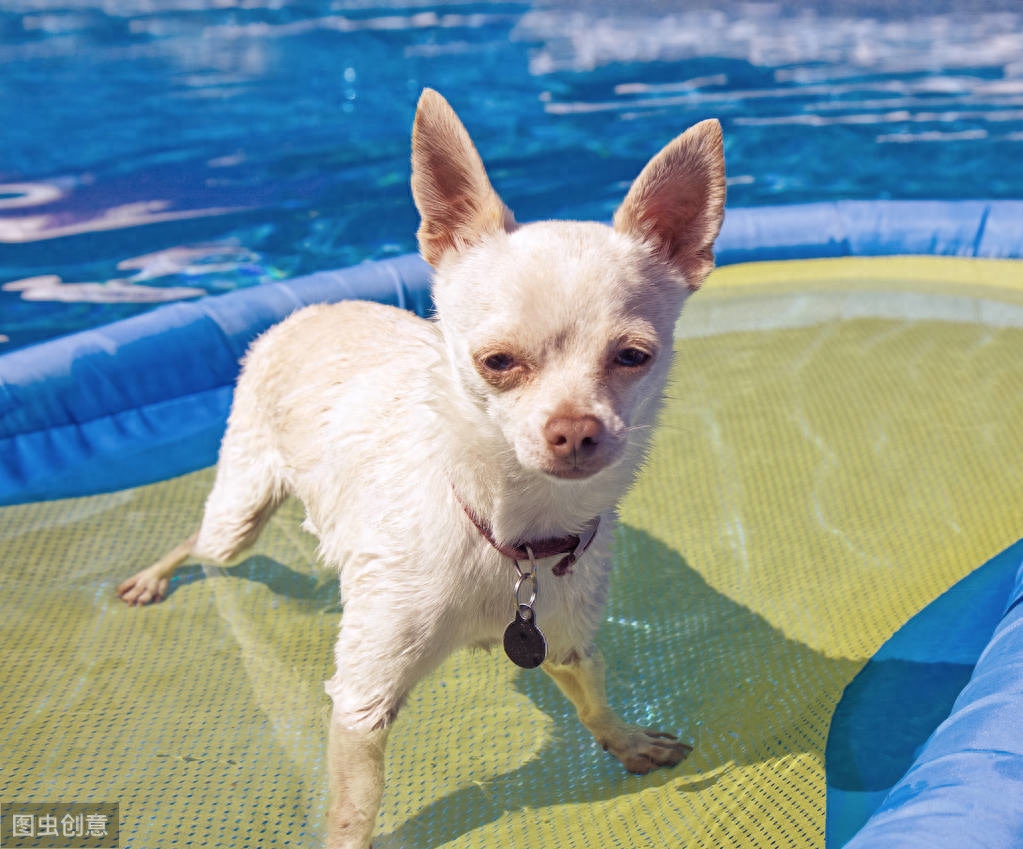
(571, 545)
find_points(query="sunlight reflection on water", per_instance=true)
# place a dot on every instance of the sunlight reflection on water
(279, 133)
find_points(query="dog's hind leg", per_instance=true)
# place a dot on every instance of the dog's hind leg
(640, 750)
(151, 584)
(245, 495)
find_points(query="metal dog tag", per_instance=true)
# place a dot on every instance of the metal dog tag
(524, 642)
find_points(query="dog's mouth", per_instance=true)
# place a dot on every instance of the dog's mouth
(579, 468)
(572, 473)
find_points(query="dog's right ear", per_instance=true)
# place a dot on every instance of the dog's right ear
(456, 203)
(677, 203)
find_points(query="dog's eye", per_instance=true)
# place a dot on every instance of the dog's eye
(499, 362)
(632, 357)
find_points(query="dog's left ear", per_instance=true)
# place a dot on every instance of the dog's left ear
(457, 205)
(677, 202)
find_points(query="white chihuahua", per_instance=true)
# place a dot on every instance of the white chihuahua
(462, 473)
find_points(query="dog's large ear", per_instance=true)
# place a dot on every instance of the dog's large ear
(456, 203)
(677, 202)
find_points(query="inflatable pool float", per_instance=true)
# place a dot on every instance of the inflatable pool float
(817, 576)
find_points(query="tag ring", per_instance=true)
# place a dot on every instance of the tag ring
(532, 591)
(526, 576)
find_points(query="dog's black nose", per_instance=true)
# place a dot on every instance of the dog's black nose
(570, 436)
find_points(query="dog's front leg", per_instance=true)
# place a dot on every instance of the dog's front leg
(355, 762)
(639, 749)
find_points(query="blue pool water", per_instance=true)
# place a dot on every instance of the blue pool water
(162, 150)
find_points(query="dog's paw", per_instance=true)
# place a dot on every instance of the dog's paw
(642, 750)
(143, 588)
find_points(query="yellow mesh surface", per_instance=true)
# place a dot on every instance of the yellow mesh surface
(813, 486)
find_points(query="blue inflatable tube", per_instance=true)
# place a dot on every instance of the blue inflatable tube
(872, 228)
(891, 709)
(965, 788)
(147, 398)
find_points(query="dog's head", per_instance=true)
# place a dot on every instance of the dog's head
(561, 331)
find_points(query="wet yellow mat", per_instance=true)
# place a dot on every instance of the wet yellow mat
(842, 442)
